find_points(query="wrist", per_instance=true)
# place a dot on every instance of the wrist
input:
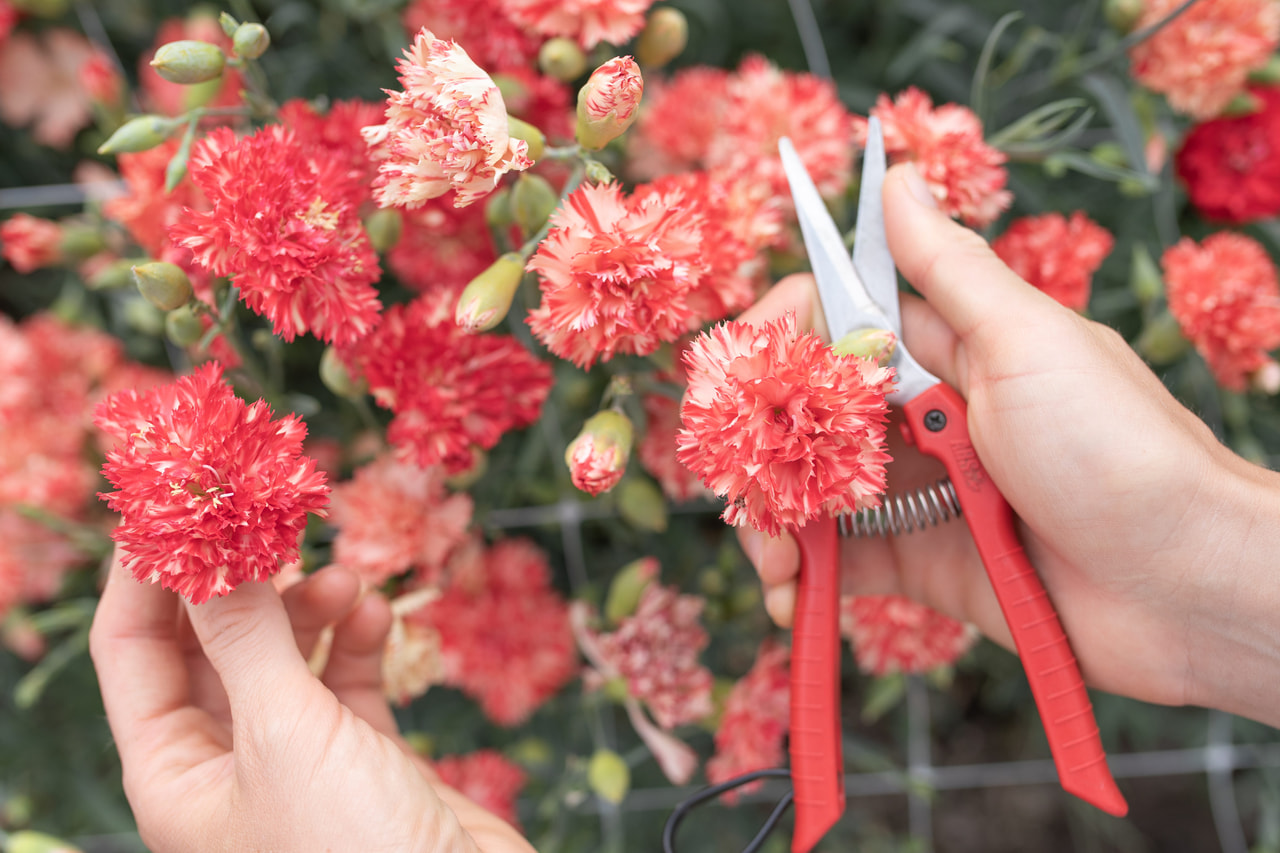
(1233, 609)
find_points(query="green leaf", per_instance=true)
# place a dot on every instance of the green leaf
(885, 693)
(1083, 163)
(978, 90)
(1114, 99)
(1054, 121)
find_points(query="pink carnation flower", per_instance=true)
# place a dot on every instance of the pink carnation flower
(451, 391)
(146, 209)
(30, 243)
(212, 492)
(337, 135)
(681, 120)
(486, 778)
(588, 22)
(657, 450)
(446, 131)
(781, 427)
(394, 516)
(1056, 254)
(1202, 59)
(480, 27)
(966, 175)
(756, 718)
(504, 631)
(34, 560)
(1225, 296)
(655, 650)
(284, 225)
(891, 634)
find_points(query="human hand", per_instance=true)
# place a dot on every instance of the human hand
(228, 742)
(1130, 509)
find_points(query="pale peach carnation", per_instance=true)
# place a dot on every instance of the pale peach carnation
(1056, 254)
(1202, 60)
(1225, 296)
(446, 131)
(965, 174)
(890, 633)
(756, 717)
(30, 243)
(588, 22)
(411, 661)
(40, 84)
(781, 427)
(394, 516)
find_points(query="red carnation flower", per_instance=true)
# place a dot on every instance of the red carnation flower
(480, 27)
(1231, 166)
(756, 717)
(890, 634)
(442, 247)
(450, 390)
(30, 243)
(212, 491)
(1056, 254)
(283, 225)
(486, 778)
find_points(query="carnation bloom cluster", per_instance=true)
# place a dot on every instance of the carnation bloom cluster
(1231, 165)
(1056, 253)
(891, 634)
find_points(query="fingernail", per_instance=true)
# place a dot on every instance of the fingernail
(919, 189)
(752, 545)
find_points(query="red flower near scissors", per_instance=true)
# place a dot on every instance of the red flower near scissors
(781, 426)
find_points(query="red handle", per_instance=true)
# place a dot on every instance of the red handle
(817, 759)
(937, 423)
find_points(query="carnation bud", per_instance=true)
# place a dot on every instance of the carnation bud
(164, 285)
(497, 210)
(641, 504)
(607, 104)
(597, 172)
(384, 227)
(1162, 341)
(27, 841)
(250, 40)
(1243, 104)
(664, 37)
(562, 59)
(532, 202)
(628, 585)
(1266, 379)
(1268, 74)
(337, 377)
(183, 326)
(597, 458)
(1144, 277)
(189, 61)
(876, 344)
(1122, 15)
(609, 776)
(485, 301)
(113, 276)
(80, 241)
(533, 137)
(229, 24)
(139, 134)
(141, 316)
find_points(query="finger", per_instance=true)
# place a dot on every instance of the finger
(134, 647)
(319, 601)
(797, 293)
(354, 671)
(932, 342)
(247, 638)
(954, 268)
(776, 559)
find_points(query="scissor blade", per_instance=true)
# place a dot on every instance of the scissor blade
(871, 258)
(845, 302)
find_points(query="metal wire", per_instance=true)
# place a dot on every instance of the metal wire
(682, 810)
(907, 512)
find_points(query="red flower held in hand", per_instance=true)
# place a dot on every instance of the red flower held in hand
(1231, 166)
(1225, 296)
(890, 633)
(1056, 254)
(782, 427)
(212, 491)
(284, 226)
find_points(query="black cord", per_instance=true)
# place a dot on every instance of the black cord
(682, 810)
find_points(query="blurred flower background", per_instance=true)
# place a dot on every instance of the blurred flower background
(324, 205)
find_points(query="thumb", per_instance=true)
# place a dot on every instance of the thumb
(248, 640)
(955, 269)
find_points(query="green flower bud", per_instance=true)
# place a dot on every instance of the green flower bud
(141, 316)
(139, 134)
(384, 227)
(1122, 15)
(80, 242)
(1268, 74)
(487, 298)
(183, 326)
(189, 61)
(664, 37)
(641, 504)
(26, 841)
(628, 585)
(876, 344)
(597, 458)
(337, 377)
(531, 135)
(199, 94)
(114, 275)
(562, 59)
(420, 742)
(597, 172)
(1162, 341)
(497, 210)
(164, 285)
(1243, 104)
(609, 776)
(229, 24)
(609, 102)
(250, 40)
(1144, 276)
(532, 202)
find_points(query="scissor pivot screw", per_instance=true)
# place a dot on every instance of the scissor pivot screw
(935, 420)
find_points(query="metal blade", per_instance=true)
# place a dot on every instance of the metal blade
(871, 258)
(845, 302)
